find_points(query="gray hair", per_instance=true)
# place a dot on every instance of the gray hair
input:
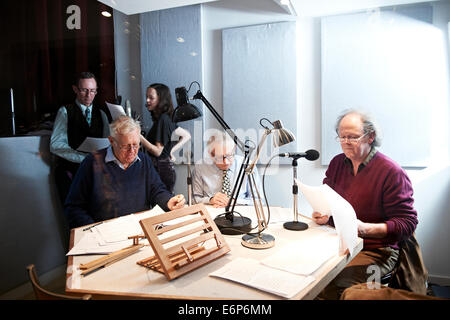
(219, 137)
(124, 125)
(369, 124)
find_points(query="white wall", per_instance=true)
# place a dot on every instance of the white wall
(432, 188)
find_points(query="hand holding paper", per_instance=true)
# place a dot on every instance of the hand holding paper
(326, 201)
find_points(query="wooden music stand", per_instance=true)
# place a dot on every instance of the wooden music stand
(195, 240)
(112, 257)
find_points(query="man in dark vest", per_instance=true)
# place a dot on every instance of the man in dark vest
(73, 123)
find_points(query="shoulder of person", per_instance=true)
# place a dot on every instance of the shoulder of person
(165, 118)
(388, 164)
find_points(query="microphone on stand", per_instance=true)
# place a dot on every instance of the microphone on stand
(310, 155)
(188, 155)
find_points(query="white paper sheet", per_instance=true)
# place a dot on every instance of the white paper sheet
(325, 200)
(91, 144)
(112, 235)
(115, 110)
(121, 228)
(306, 256)
(254, 274)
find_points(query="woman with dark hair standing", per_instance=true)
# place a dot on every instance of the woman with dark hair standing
(160, 142)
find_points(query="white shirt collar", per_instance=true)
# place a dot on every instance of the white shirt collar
(82, 106)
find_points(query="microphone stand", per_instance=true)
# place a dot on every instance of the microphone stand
(231, 224)
(295, 225)
(189, 178)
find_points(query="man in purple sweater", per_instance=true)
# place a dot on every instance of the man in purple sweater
(117, 181)
(381, 194)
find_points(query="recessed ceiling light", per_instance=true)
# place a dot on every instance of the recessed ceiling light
(180, 39)
(106, 14)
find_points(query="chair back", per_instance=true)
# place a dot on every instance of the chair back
(43, 294)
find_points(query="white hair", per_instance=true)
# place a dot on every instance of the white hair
(124, 125)
(221, 138)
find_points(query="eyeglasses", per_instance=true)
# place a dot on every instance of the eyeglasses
(352, 140)
(228, 157)
(87, 91)
(127, 147)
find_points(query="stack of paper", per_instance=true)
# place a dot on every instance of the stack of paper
(254, 274)
(91, 144)
(112, 235)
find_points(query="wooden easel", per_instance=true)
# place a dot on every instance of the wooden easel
(202, 241)
(112, 257)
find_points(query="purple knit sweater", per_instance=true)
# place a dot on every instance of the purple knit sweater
(380, 192)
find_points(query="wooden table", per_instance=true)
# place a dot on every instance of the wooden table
(127, 280)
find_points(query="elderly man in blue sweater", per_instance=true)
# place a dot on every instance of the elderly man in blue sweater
(118, 180)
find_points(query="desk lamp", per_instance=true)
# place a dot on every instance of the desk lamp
(259, 240)
(228, 224)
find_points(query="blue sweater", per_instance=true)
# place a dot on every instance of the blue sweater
(102, 191)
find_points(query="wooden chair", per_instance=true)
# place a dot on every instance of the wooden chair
(43, 294)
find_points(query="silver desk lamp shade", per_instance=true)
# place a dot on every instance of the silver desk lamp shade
(281, 136)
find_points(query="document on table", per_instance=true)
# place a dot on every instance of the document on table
(91, 144)
(325, 200)
(112, 235)
(115, 110)
(254, 274)
(306, 256)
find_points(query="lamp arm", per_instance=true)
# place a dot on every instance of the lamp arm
(252, 165)
(240, 144)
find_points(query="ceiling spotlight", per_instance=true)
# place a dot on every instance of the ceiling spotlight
(106, 14)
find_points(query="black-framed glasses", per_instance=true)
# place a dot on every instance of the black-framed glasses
(88, 91)
(352, 140)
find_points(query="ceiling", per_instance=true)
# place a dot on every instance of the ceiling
(303, 8)
(316, 8)
(139, 6)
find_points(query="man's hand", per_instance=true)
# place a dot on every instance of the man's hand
(176, 202)
(219, 200)
(319, 218)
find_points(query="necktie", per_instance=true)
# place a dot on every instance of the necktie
(226, 182)
(87, 114)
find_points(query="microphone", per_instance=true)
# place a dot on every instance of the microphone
(310, 155)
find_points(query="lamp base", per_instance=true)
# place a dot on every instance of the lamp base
(295, 226)
(262, 241)
(239, 225)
